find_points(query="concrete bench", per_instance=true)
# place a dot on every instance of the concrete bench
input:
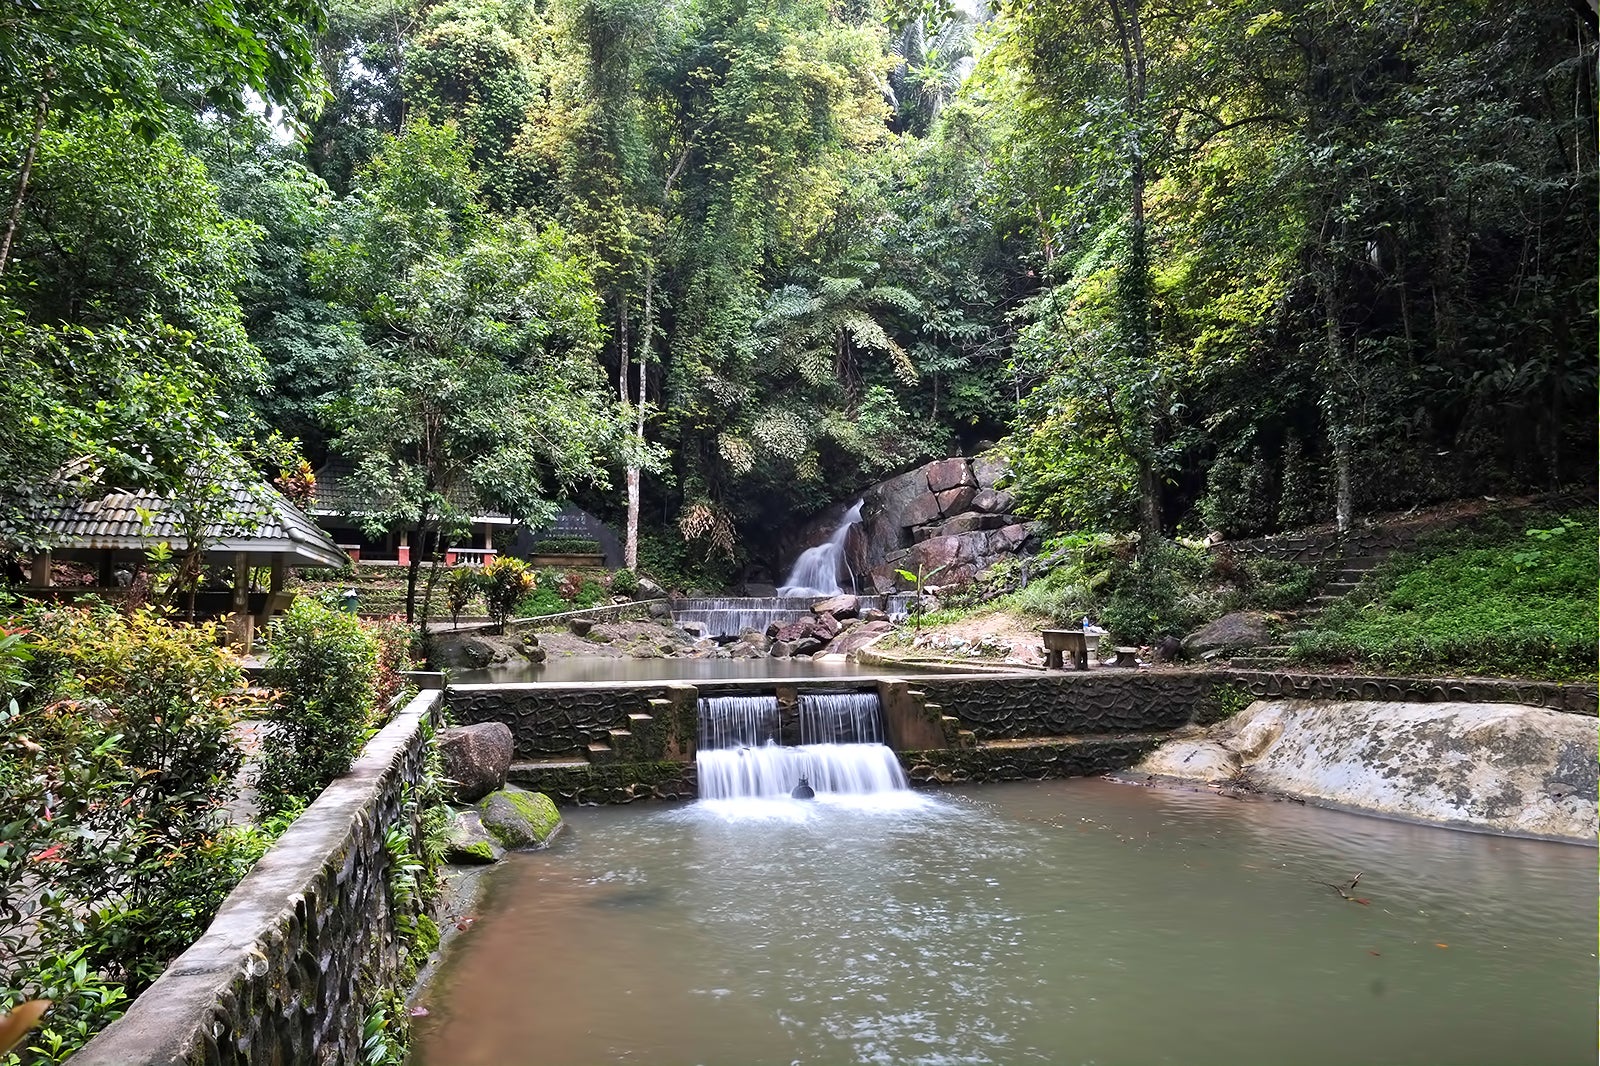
(1074, 642)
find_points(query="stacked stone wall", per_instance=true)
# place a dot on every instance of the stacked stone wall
(1071, 704)
(299, 946)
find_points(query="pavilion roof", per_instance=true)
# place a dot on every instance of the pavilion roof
(261, 523)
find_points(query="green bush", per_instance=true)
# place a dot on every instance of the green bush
(1169, 591)
(324, 665)
(461, 588)
(566, 546)
(1494, 600)
(116, 768)
(545, 599)
(505, 580)
(625, 583)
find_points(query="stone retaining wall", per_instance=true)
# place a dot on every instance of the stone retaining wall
(282, 973)
(1570, 697)
(654, 760)
(549, 722)
(1037, 760)
(1070, 704)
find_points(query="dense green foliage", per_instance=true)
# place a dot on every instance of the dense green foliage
(1227, 266)
(324, 667)
(116, 768)
(1497, 600)
(1144, 597)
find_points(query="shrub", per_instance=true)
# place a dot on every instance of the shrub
(566, 546)
(460, 588)
(625, 583)
(116, 767)
(325, 666)
(1494, 600)
(505, 581)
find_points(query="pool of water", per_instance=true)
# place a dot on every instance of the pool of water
(604, 669)
(1059, 922)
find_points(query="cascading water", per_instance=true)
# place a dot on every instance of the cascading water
(841, 754)
(841, 718)
(816, 572)
(733, 722)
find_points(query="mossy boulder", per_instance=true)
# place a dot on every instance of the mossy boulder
(470, 843)
(518, 818)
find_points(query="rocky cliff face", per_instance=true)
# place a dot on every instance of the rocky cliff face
(948, 513)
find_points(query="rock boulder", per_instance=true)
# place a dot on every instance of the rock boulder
(476, 758)
(949, 474)
(845, 606)
(1241, 629)
(1489, 766)
(470, 843)
(518, 818)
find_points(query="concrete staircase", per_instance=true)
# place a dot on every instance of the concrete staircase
(954, 735)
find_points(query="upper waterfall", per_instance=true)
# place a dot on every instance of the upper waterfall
(816, 572)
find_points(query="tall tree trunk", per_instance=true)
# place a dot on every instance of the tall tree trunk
(1335, 408)
(1135, 280)
(15, 217)
(647, 327)
(630, 549)
(622, 346)
(414, 567)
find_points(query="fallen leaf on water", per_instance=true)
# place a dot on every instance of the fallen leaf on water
(1379, 954)
(1363, 902)
(1441, 945)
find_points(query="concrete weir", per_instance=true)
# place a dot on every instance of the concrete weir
(616, 742)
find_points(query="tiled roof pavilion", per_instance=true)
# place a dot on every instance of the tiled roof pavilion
(263, 526)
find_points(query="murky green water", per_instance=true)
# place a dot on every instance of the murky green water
(1061, 922)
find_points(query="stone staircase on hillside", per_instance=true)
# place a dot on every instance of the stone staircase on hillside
(1346, 576)
(1349, 573)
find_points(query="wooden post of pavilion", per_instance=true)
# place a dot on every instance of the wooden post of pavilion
(242, 623)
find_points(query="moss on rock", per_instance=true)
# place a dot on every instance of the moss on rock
(518, 818)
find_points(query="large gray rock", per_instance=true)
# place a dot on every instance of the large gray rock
(859, 637)
(845, 606)
(469, 843)
(956, 500)
(988, 470)
(993, 501)
(1241, 629)
(476, 758)
(806, 647)
(518, 818)
(1491, 766)
(949, 474)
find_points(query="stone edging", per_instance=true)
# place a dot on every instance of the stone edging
(280, 974)
(1570, 697)
(600, 613)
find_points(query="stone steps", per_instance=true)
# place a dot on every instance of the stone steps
(528, 766)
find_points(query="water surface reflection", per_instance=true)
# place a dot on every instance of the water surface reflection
(1060, 922)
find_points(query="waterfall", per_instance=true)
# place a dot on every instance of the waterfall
(728, 616)
(842, 751)
(731, 722)
(841, 718)
(816, 572)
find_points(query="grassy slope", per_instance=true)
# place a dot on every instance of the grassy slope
(1497, 600)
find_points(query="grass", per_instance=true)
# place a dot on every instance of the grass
(1498, 600)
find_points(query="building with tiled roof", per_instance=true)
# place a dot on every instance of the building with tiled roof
(115, 533)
